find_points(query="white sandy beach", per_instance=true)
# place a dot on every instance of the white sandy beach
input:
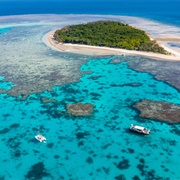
(95, 50)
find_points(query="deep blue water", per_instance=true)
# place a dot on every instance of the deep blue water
(161, 10)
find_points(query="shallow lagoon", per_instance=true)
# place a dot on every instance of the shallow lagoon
(96, 147)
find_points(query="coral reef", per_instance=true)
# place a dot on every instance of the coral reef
(79, 109)
(163, 111)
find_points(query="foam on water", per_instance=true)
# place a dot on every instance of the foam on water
(94, 147)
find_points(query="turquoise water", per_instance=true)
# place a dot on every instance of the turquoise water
(5, 85)
(95, 147)
(4, 30)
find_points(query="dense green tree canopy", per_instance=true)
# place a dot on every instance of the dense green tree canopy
(109, 34)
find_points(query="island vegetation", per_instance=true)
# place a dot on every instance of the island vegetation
(108, 34)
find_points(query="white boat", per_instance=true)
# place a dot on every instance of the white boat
(40, 138)
(139, 129)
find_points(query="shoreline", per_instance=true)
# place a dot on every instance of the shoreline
(97, 50)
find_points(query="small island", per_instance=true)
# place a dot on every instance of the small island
(111, 34)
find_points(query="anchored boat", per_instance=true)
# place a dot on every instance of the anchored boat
(40, 138)
(139, 129)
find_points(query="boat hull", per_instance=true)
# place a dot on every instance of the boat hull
(139, 129)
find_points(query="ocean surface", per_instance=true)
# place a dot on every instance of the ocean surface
(161, 10)
(37, 82)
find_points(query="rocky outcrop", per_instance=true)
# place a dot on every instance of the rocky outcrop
(79, 109)
(163, 111)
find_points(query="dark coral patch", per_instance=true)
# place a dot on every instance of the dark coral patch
(151, 174)
(6, 115)
(35, 151)
(56, 156)
(50, 145)
(71, 90)
(17, 153)
(109, 156)
(95, 94)
(106, 170)
(172, 143)
(105, 146)
(128, 84)
(81, 143)
(4, 131)
(89, 160)
(100, 130)
(91, 152)
(120, 177)
(37, 171)
(33, 117)
(81, 135)
(124, 164)
(67, 151)
(130, 150)
(95, 98)
(141, 161)
(15, 125)
(136, 178)
(115, 157)
(85, 90)
(141, 167)
(166, 170)
(115, 117)
(175, 130)
(13, 143)
(2, 178)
